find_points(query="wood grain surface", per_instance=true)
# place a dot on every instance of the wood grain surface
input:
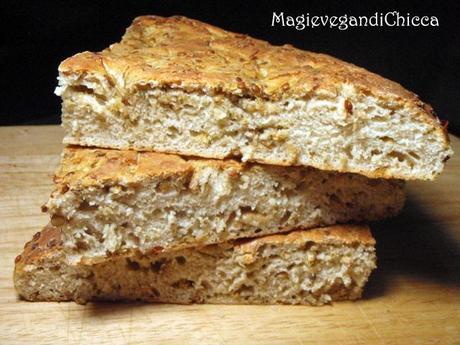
(412, 298)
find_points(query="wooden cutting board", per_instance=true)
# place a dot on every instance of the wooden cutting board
(412, 298)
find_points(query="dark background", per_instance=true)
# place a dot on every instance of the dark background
(37, 35)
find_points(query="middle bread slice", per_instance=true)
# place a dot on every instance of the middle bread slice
(112, 201)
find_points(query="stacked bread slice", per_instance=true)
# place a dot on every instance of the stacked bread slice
(208, 166)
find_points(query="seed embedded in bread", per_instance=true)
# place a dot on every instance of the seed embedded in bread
(181, 86)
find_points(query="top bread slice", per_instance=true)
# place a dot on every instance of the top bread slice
(181, 86)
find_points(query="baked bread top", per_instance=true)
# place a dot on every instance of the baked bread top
(186, 53)
(90, 166)
(84, 167)
(95, 166)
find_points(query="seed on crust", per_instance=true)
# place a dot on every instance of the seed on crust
(51, 243)
(57, 220)
(348, 106)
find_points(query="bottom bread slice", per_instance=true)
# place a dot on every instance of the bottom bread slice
(314, 267)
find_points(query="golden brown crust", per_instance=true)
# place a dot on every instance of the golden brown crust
(42, 244)
(82, 167)
(85, 167)
(337, 234)
(178, 51)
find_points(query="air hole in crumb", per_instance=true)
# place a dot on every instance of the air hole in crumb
(387, 139)
(257, 231)
(245, 290)
(195, 133)
(347, 150)
(282, 274)
(231, 218)
(286, 217)
(157, 265)
(187, 105)
(398, 155)
(236, 156)
(181, 214)
(335, 198)
(81, 245)
(183, 284)
(181, 260)
(164, 187)
(94, 233)
(376, 152)
(82, 89)
(413, 154)
(155, 292)
(132, 265)
(245, 209)
(134, 238)
(308, 245)
(172, 131)
(205, 284)
(134, 121)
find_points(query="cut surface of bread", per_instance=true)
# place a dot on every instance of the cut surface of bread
(302, 267)
(110, 201)
(181, 86)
